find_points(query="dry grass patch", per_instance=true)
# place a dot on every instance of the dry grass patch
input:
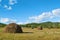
(32, 34)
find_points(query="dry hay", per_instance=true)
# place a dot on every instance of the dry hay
(40, 28)
(13, 28)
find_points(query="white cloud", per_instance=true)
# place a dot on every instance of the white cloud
(9, 8)
(7, 20)
(12, 2)
(9, 5)
(20, 23)
(4, 20)
(45, 16)
(23, 22)
(5, 6)
(26, 22)
(56, 12)
(12, 21)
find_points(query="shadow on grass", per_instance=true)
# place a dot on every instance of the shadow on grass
(27, 32)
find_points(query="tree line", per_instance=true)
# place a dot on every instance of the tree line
(35, 25)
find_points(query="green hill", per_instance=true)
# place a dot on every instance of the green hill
(44, 24)
(2, 24)
(35, 25)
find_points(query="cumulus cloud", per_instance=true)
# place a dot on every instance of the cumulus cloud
(26, 22)
(5, 6)
(4, 20)
(8, 7)
(12, 2)
(46, 16)
(20, 23)
(7, 20)
(56, 12)
(9, 4)
(43, 17)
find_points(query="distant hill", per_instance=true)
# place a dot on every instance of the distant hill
(35, 25)
(2, 24)
(44, 24)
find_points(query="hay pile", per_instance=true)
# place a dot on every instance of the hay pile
(40, 28)
(13, 28)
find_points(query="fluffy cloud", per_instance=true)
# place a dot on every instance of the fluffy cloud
(9, 8)
(20, 23)
(41, 17)
(4, 20)
(5, 6)
(26, 22)
(45, 16)
(56, 12)
(12, 2)
(9, 5)
(7, 20)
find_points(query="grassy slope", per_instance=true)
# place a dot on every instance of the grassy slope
(32, 34)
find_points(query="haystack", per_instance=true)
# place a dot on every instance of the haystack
(40, 28)
(13, 28)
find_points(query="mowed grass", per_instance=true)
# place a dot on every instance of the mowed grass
(32, 34)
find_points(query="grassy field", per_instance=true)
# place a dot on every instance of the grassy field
(32, 34)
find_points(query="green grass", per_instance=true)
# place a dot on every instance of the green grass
(32, 34)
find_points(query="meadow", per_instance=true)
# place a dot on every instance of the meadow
(32, 34)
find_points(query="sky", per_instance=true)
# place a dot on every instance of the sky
(29, 11)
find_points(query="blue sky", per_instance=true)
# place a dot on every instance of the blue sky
(28, 11)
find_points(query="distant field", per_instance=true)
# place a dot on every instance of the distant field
(32, 34)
